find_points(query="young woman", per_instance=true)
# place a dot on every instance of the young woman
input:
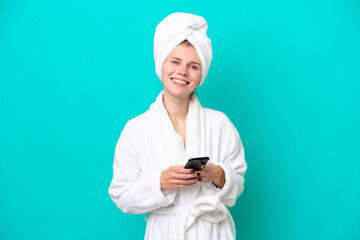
(149, 174)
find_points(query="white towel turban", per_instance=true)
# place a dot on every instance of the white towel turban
(174, 29)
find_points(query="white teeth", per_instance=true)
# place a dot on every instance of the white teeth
(179, 81)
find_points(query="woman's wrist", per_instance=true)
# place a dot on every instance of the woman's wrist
(219, 182)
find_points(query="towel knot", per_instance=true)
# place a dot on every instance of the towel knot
(209, 208)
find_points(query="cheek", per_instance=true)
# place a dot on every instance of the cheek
(198, 77)
(166, 70)
(162, 70)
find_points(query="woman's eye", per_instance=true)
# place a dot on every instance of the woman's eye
(175, 62)
(194, 67)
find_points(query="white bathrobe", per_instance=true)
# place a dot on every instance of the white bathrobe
(149, 144)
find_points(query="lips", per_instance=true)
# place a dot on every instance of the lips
(177, 81)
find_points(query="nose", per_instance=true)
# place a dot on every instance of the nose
(182, 70)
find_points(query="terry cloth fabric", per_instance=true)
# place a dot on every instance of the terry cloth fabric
(149, 144)
(174, 29)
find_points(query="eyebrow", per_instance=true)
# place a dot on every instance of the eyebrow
(190, 62)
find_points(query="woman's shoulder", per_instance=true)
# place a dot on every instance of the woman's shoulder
(216, 116)
(219, 120)
(135, 124)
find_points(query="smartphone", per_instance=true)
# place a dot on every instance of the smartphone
(196, 163)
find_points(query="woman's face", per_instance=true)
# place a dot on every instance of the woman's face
(181, 71)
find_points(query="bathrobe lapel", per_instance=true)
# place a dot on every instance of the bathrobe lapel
(195, 129)
(164, 135)
(169, 138)
(169, 143)
(195, 144)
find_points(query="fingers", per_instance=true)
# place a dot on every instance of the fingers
(179, 173)
(186, 182)
(182, 176)
(176, 183)
(179, 177)
(181, 169)
(209, 172)
(170, 179)
(204, 175)
(208, 166)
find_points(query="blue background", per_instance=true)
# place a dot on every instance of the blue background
(72, 73)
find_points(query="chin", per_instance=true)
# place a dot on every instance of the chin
(179, 93)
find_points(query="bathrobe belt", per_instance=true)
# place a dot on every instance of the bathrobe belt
(208, 208)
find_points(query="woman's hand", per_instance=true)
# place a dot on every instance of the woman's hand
(178, 177)
(212, 173)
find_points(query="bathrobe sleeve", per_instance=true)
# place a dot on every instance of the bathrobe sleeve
(135, 190)
(232, 161)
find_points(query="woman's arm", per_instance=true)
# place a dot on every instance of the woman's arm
(233, 164)
(227, 171)
(132, 190)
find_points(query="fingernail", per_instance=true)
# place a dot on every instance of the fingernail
(199, 179)
(192, 170)
(198, 174)
(202, 167)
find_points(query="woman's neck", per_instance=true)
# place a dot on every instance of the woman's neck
(177, 108)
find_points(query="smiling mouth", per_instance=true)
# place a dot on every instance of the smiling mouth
(183, 82)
